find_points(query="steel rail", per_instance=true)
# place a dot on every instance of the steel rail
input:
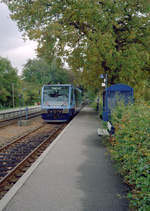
(21, 137)
(28, 160)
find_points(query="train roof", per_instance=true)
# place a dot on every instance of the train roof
(58, 85)
(62, 85)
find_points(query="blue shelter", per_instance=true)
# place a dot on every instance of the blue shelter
(113, 95)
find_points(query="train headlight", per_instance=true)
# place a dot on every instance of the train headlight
(65, 104)
(65, 111)
(44, 111)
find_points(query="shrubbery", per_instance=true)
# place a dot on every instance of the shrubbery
(130, 147)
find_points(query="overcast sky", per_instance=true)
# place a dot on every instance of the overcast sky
(12, 46)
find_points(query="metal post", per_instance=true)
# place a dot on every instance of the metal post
(106, 105)
(106, 79)
(13, 95)
(23, 99)
(20, 105)
(26, 113)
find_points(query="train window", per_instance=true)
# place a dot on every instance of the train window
(55, 95)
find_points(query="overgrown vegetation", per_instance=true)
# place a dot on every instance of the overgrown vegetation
(130, 148)
(26, 89)
(93, 36)
(36, 73)
(39, 72)
(8, 80)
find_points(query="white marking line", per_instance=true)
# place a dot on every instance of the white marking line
(9, 195)
(109, 125)
(102, 132)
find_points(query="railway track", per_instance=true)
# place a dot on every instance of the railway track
(18, 156)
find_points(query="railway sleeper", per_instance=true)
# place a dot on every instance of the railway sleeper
(2, 174)
(7, 165)
(18, 174)
(8, 161)
(5, 168)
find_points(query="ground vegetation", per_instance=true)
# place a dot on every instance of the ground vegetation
(130, 148)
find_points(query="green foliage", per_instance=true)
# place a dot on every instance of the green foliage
(8, 80)
(32, 97)
(38, 72)
(100, 106)
(90, 94)
(30, 93)
(92, 36)
(130, 147)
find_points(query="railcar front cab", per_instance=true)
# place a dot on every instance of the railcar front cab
(59, 102)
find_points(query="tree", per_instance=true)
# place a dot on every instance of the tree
(38, 72)
(9, 80)
(94, 36)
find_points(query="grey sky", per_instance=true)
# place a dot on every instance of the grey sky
(12, 46)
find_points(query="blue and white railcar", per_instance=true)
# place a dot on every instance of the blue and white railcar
(60, 102)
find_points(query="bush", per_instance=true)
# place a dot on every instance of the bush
(130, 147)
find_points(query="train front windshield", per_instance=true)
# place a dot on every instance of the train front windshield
(55, 95)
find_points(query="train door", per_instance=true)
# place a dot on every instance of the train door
(72, 102)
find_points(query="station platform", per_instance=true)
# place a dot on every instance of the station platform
(18, 109)
(75, 173)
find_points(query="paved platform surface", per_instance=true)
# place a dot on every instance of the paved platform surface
(75, 175)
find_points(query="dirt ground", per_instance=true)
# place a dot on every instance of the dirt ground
(9, 133)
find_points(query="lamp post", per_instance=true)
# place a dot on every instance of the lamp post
(20, 96)
(24, 103)
(105, 77)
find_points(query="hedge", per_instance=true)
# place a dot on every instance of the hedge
(130, 148)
